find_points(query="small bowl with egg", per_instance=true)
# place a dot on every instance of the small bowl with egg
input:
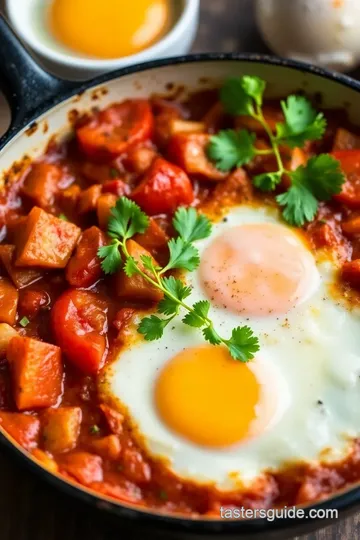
(79, 39)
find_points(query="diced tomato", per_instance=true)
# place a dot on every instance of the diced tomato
(41, 183)
(88, 199)
(84, 267)
(96, 173)
(46, 241)
(117, 187)
(116, 129)
(136, 287)
(114, 419)
(188, 150)
(79, 323)
(352, 226)
(9, 297)
(21, 277)
(61, 429)
(322, 235)
(345, 140)
(23, 428)
(236, 189)
(31, 302)
(37, 372)
(351, 273)
(122, 321)
(139, 159)
(350, 164)
(84, 467)
(107, 447)
(103, 210)
(163, 189)
(135, 467)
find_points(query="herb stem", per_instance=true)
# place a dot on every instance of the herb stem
(258, 115)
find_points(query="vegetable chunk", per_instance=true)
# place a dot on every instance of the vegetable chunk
(61, 429)
(9, 298)
(37, 372)
(84, 267)
(21, 277)
(23, 428)
(84, 467)
(46, 241)
(41, 184)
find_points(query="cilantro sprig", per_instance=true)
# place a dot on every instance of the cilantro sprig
(126, 220)
(316, 181)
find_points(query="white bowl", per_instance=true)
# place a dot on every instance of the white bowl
(22, 16)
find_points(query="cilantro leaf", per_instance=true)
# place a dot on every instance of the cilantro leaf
(191, 225)
(302, 122)
(176, 288)
(149, 264)
(212, 336)
(126, 219)
(152, 328)
(182, 255)
(234, 98)
(196, 317)
(300, 205)
(254, 87)
(230, 148)
(111, 257)
(131, 267)
(243, 344)
(267, 181)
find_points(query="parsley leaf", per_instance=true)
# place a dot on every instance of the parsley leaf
(302, 122)
(235, 98)
(177, 289)
(254, 87)
(182, 255)
(200, 312)
(111, 257)
(243, 344)
(267, 181)
(229, 148)
(191, 225)
(152, 328)
(126, 219)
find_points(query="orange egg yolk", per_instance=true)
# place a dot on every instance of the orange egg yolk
(258, 269)
(110, 28)
(210, 399)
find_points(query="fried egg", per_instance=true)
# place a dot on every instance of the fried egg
(213, 420)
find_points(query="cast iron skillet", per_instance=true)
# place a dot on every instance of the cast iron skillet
(30, 92)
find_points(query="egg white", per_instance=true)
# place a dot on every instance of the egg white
(314, 350)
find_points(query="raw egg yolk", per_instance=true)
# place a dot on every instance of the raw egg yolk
(210, 399)
(109, 29)
(258, 269)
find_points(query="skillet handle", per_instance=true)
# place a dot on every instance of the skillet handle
(25, 84)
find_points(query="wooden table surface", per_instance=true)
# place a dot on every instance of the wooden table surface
(30, 509)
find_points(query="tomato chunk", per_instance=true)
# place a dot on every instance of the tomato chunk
(117, 187)
(188, 150)
(351, 273)
(163, 188)
(31, 302)
(345, 140)
(79, 323)
(116, 129)
(46, 241)
(350, 164)
(114, 419)
(41, 184)
(84, 267)
(88, 199)
(37, 372)
(61, 429)
(23, 428)
(9, 297)
(84, 467)
(139, 159)
(136, 287)
(352, 226)
(21, 277)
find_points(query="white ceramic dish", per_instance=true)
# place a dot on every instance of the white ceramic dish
(26, 18)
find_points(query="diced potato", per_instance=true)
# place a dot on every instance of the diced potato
(21, 277)
(84, 467)
(23, 428)
(139, 159)
(105, 203)
(184, 126)
(9, 298)
(45, 460)
(69, 198)
(107, 447)
(114, 419)
(6, 335)
(136, 287)
(41, 183)
(88, 199)
(153, 239)
(46, 241)
(37, 372)
(61, 429)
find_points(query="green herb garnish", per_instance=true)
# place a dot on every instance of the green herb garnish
(24, 322)
(94, 430)
(126, 220)
(316, 181)
(63, 217)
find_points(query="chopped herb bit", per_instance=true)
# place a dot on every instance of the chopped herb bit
(24, 322)
(114, 173)
(63, 217)
(94, 430)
